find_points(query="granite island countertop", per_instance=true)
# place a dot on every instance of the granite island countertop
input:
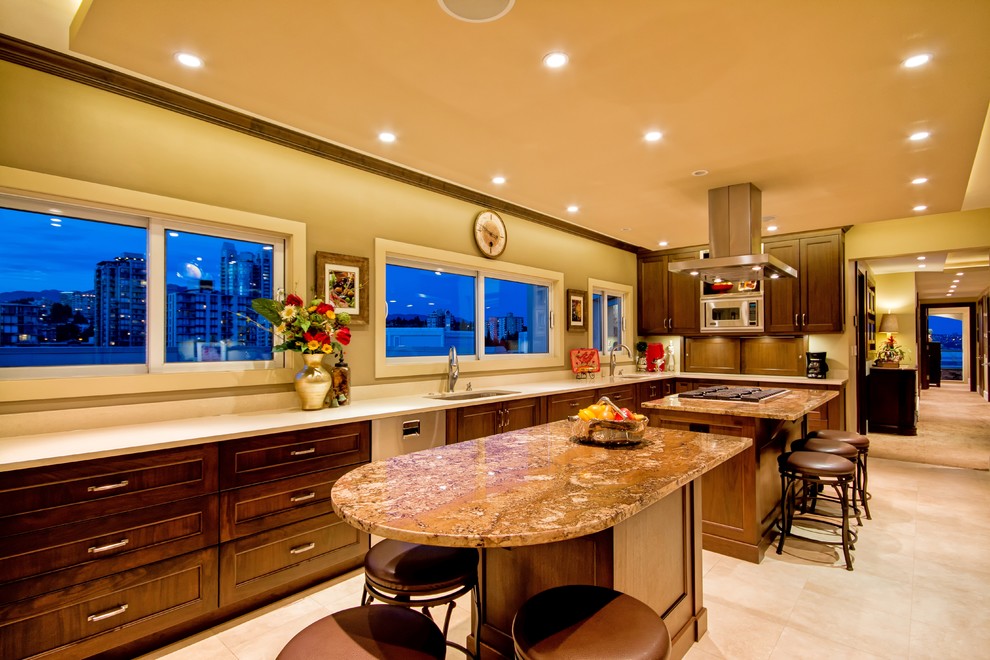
(791, 406)
(523, 487)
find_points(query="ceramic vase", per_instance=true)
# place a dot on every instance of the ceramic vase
(313, 382)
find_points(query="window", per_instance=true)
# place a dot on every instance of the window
(90, 292)
(609, 302)
(496, 315)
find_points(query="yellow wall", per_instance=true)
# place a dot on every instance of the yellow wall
(897, 295)
(54, 126)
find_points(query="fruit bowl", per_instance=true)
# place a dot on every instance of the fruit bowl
(609, 432)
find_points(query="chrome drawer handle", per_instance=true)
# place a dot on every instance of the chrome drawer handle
(299, 549)
(302, 498)
(109, 546)
(98, 489)
(302, 452)
(109, 613)
(573, 404)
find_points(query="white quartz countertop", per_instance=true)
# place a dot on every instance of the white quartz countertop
(38, 449)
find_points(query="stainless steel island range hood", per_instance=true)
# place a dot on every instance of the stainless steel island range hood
(734, 239)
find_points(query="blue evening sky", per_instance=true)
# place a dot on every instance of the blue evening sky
(941, 325)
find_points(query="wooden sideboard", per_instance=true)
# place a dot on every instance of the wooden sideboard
(893, 401)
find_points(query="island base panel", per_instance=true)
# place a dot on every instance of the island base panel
(654, 556)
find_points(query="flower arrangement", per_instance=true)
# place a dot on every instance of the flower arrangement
(308, 328)
(890, 351)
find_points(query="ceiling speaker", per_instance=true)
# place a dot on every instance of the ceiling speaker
(477, 11)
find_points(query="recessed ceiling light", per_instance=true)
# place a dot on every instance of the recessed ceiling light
(955, 281)
(173, 234)
(919, 180)
(555, 60)
(693, 272)
(498, 180)
(917, 60)
(625, 229)
(652, 136)
(56, 211)
(189, 60)
(385, 136)
(756, 268)
(949, 294)
(920, 135)
(573, 208)
(952, 286)
(771, 227)
(663, 244)
(921, 265)
(699, 173)
(774, 276)
(960, 274)
(922, 258)
(920, 207)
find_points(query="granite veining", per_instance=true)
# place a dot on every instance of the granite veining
(791, 406)
(525, 487)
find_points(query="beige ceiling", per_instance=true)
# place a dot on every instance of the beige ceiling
(805, 99)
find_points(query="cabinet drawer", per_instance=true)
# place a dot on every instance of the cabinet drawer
(50, 559)
(268, 457)
(266, 561)
(559, 406)
(96, 616)
(623, 396)
(253, 509)
(41, 497)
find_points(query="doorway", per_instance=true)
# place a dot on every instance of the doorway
(948, 348)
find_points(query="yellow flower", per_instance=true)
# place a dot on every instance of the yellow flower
(288, 313)
(280, 328)
(312, 345)
(330, 315)
(327, 348)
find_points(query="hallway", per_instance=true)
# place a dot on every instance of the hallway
(953, 430)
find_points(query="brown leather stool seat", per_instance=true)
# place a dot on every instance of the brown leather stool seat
(862, 445)
(424, 576)
(585, 622)
(807, 471)
(373, 631)
(822, 445)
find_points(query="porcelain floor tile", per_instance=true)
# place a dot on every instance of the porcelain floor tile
(797, 645)
(861, 627)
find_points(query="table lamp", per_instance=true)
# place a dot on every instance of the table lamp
(888, 324)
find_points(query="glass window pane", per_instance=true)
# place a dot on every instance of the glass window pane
(210, 283)
(517, 317)
(613, 322)
(597, 314)
(72, 291)
(428, 312)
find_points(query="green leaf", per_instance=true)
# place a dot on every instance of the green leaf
(269, 309)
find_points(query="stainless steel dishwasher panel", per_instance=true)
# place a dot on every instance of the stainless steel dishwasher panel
(404, 434)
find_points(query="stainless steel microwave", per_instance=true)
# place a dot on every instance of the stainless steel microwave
(732, 313)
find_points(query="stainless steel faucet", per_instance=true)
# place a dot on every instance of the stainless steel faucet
(453, 371)
(611, 357)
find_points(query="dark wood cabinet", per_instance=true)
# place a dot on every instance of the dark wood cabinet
(623, 396)
(561, 406)
(116, 555)
(814, 302)
(668, 303)
(486, 419)
(719, 355)
(893, 401)
(654, 389)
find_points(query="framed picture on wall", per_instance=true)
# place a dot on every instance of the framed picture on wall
(577, 309)
(342, 281)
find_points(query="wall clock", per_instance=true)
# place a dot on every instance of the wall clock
(489, 234)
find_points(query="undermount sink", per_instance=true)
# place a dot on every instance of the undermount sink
(458, 396)
(639, 374)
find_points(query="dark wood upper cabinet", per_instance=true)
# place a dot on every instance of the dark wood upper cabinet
(814, 302)
(668, 303)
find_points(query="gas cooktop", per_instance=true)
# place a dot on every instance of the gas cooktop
(726, 393)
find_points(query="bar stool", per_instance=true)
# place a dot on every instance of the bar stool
(584, 621)
(423, 576)
(812, 469)
(836, 448)
(387, 632)
(862, 445)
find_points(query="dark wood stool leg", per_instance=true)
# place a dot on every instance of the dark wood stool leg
(844, 499)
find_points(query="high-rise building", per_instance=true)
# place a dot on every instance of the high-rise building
(120, 287)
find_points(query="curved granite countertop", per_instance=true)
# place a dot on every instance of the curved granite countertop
(791, 406)
(523, 487)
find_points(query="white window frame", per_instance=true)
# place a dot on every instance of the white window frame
(34, 191)
(387, 251)
(624, 291)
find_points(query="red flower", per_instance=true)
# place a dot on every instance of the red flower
(343, 336)
(323, 308)
(293, 299)
(319, 336)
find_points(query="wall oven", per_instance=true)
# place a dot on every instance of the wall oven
(727, 313)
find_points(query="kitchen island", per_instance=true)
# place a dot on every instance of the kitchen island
(546, 510)
(741, 497)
